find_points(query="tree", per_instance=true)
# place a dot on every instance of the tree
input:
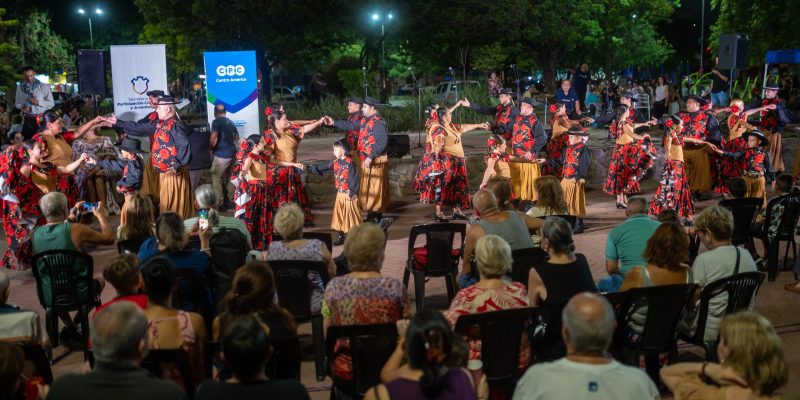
(48, 52)
(9, 52)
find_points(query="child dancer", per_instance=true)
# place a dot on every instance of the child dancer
(346, 211)
(130, 164)
(254, 201)
(755, 163)
(575, 163)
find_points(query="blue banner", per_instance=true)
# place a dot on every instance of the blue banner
(231, 80)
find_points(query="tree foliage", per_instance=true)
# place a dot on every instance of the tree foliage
(9, 51)
(47, 51)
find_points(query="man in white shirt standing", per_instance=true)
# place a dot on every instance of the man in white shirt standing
(33, 99)
(588, 371)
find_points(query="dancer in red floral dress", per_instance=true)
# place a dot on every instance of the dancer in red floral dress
(504, 113)
(737, 125)
(428, 158)
(254, 198)
(559, 140)
(701, 125)
(633, 155)
(755, 163)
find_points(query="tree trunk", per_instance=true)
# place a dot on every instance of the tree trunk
(463, 52)
(549, 66)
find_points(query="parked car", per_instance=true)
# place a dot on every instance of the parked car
(449, 92)
(283, 94)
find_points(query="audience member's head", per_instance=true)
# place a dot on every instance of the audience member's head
(54, 206)
(170, 232)
(428, 344)
(160, 279)
(550, 195)
(253, 292)
(714, 223)
(364, 248)
(737, 188)
(124, 275)
(501, 187)
(784, 183)
(119, 334)
(246, 348)
(589, 324)
(493, 256)
(668, 247)
(208, 199)
(484, 201)
(5, 287)
(289, 221)
(12, 361)
(139, 217)
(668, 215)
(557, 237)
(636, 205)
(749, 344)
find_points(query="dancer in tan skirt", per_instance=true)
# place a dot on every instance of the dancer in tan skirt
(346, 211)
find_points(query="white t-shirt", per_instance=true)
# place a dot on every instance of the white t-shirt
(565, 379)
(661, 92)
(714, 265)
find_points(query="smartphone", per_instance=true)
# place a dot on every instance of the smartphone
(202, 219)
(90, 206)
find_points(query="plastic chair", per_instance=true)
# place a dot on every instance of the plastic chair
(571, 219)
(294, 294)
(284, 363)
(370, 347)
(437, 258)
(741, 290)
(130, 246)
(523, 261)
(785, 231)
(744, 215)
(323, 237)
(659, 334)
(500, 334)
(158, 359)
(192, 295)
(59, 267)
(547, 338)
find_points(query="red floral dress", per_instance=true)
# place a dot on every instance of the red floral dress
(447, 183)
(556, 147)
(629, 162)
(430, 162)
(294, 191)
(769, 118)
(731, 168)
(19, 218)
(259, 211)
(673, 190)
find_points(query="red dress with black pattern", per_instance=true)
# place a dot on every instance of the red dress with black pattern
(448, 185)
(673, 190)
(19, 218)
(629, 162)
(259, 212)
(555, 149)
(427, 178)
(731, 168)
(285, 149)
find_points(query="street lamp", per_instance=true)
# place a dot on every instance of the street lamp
(97, 11)
(383, 19)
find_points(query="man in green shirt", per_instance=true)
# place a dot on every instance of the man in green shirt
(626, 243)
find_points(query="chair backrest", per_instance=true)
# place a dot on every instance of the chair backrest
(192, 294)
(323, 237)
(665, 304)
(500, 333)
(547, 338)
(571, 219)
(789, 217)
(130, 245)
(158, 359)
(294, 291)
(58, 268)
(36, 355)
(744, 213)
(439, 239)
(284, 363)
(370, 347)
(523, 261)
(741, 290)
(228, 253)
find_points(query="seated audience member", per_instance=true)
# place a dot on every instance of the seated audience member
(737, 188)
(514, 227)
(669, 215)
(12, 380)
(245, 346)
(714, 227)
(289, 224)
(140, 223)
(664, 258)
(253, 293)
(753, 364)
(565, 273)
(783, 186)
(550, 201)
(119, 337)
(501, 187)
(17, 325)
(588, 371)
(170, 242)
(125, 276)
(626, 242)
(363, 296)
(167, 327)
(491, 292)
(427, 343)
(207, 199)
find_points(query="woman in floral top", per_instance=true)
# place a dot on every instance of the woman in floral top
(363, 296)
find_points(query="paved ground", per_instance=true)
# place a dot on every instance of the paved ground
(773, 301)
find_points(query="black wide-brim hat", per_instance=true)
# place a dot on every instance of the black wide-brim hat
(529, 101)
(578, 131)
(357, 100)
(700, 100)
(131, 145)
(759, 135)
(505, 91)
(167, 100)
(772, 83)
(156, 93)
(371, 101)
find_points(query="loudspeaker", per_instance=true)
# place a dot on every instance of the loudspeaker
(92, 72)
(732, 51)
(398, 146)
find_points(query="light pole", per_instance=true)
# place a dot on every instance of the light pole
(383, 19)
(88, 15)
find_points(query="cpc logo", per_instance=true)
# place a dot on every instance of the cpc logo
(230, 70)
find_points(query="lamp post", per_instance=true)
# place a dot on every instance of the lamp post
(383, 19)
(97, 11)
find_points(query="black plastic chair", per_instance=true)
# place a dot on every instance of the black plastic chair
(744, 215)
(130, 246)
(571, 219)
(785, 232)
(665, 305)
(500, 334)
(323, 237)
(192, 295)
(523, 261)
(294, 294)
(741, 290)
(437, 258)
(59, 267)
(547, 338)
(370, 347)
(284, 363)
(158, 359)
(37, 356)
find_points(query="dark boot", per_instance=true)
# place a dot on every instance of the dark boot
(370, 216)
(578, 229)
(339, 239)
(377, 217)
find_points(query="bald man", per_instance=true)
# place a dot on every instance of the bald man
(514, 227)
(588, 371)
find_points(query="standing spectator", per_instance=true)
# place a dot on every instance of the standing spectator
(662, 95)
(224, 139)
(587, 371)
(495, 84)
(567, 95)
(580, 81)
(719, 86)
(317, 87)
(626, 243)
(119, 343)
(33, 99)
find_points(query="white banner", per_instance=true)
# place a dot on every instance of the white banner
(135, 70)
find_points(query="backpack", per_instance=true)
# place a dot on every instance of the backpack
(228, 253)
